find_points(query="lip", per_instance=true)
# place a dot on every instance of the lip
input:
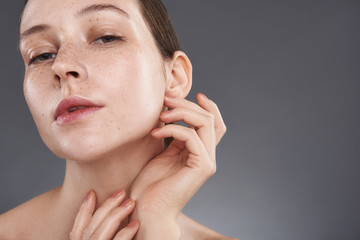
(73, 109)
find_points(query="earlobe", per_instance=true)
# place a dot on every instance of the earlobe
(179, 76)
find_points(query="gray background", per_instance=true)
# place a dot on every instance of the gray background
(285, 75)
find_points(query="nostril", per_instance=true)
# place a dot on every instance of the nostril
(75, 74)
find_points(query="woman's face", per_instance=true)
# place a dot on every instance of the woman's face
(90, 50)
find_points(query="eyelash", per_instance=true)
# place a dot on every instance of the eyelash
(108, 40)
(38, 58)
(114, 38)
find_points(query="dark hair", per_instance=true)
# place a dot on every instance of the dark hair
(160, 25)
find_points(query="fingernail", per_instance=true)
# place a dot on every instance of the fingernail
(165, 113)
(203, 96)
(155, 130)
(170, 97)
(118, 193)
(133, 224)
(127, 203)
(87, 196)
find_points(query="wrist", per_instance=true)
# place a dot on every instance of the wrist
(156, 224)
(158, 229)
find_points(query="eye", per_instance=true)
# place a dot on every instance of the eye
(108, 39)
(42, 57)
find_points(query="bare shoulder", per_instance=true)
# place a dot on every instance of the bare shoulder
(193, 230)
(17, 222)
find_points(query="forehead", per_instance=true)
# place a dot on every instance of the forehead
(55, 11)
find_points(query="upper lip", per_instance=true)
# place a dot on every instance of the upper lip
(66, 104)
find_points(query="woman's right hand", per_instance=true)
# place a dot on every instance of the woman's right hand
(104, 223)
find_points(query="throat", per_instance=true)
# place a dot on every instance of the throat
(117, 170)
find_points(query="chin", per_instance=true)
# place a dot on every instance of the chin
(95, 147)
(80, 151)
(99, 139)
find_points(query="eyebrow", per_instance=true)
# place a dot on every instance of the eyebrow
(100, 7)
(32, 30)
(84, 11)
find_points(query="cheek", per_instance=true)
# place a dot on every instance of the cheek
(37, 95)
(33, 91)
(135, 86)
(134, 77)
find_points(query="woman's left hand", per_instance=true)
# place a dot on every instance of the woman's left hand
(171, 179)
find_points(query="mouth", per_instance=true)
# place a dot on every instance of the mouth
(73, 109)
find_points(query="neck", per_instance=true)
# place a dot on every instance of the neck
(105, 176)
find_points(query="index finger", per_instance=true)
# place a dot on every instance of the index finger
(84, 216)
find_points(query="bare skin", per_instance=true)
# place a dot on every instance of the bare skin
(32, 221)
(114, 155)
(49, 217)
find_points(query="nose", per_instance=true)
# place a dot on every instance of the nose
(68, 65)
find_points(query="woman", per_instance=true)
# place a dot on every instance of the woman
(102, 78)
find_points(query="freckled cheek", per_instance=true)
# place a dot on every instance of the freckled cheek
(132, 80)
(119, 72)
(37, 95)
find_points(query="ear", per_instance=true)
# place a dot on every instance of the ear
(179, 76)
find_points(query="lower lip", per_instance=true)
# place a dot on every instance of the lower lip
(77, 115)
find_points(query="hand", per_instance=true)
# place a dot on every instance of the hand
(171, 179)
(105, 222)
